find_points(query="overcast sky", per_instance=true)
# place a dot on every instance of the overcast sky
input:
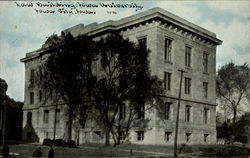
(23, 30)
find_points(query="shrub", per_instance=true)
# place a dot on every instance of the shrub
(47, 142)
(59, 142)
(71, 144)
(231, 151)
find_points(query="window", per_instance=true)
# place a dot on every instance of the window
(205, 62)
(188, 113)
(37, 115)
(31, 97)
(168, 50)
(40, 96)
(205, 89)
(58, 115)
(29, 135)
(29, 118)
(46, 134)
(205, 115)
(187, 85)
(167, 80)
(46, 116)
(205, 138)
(188, 56)
(98, 133)
(121, 135)
(140, 135)
(143, 42)
(141, 111)
(32, 76)
(40, 73)
(167, 110)
(122, 111)
(167, 136)
(188, 136)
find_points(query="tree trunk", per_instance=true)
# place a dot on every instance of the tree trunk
(234, 115)
(114, 138)
(70, 125)
(107, 132)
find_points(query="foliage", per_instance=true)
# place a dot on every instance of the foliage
(123, 78)
(104, 74)
(3, 89)
(66, 72)
(13, 127)
(232, 85)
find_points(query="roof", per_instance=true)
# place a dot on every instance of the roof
(129, 21)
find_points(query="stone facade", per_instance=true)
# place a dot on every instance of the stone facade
(174, 44)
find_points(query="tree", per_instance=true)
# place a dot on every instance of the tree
(232, 84)
(66, 73)
(3, 100)
(123, 78)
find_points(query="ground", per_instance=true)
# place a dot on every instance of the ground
(98, 150)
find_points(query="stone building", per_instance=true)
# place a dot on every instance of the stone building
(175, 44)
(246, 134)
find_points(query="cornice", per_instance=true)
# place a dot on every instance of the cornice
(156, 15)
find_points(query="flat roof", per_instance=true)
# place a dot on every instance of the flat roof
(156, 12)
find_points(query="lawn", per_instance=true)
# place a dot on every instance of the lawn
(26, 151)
(99, 150)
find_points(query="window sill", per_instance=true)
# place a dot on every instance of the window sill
(188, 68)
(167, 91)
(139, 140)
(206, 73)
(168, 62)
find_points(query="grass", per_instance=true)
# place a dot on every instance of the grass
(99, 150)
(26, 151)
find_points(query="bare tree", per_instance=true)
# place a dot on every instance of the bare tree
(232, 82)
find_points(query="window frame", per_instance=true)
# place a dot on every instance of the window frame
(32, 76)
(205, 89)
(167, 136)
(188, 56)
(167, 110)
(168, 47)
(46, 116)
(205, 62)
(205, 115)
(187, 84)
(188, 137)
(141, 111)
(29, 118)
(40, 96)
(167, 81)
(140, 135)
(32, 98)
(188, 114)
(206, 138)
(144, 43)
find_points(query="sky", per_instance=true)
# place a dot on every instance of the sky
(23, 29)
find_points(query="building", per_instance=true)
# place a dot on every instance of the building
(246, 132)
(175, 44)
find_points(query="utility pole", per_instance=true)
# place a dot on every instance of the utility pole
(54, 132)
(177, 116)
